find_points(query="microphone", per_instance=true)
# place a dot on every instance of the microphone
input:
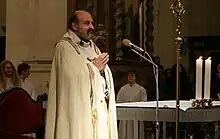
(135, 48)
(128, 43)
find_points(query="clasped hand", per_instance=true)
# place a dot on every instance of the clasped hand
(101, 61)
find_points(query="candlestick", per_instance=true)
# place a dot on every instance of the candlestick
(199, 78)
(207, 78)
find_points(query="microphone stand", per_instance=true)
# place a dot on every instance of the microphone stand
(155, 70)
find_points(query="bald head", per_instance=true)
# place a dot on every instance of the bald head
(82, 12)
(81, 22)
(76, 15)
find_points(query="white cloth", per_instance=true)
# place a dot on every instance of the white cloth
(76, 107)
(128, 93)
(134, 93)
(33, 135)
(29, 87)
(87, 50)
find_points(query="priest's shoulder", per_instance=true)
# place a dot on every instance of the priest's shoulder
(66, 42)
(62, 42)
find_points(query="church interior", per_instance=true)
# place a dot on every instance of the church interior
(31, 28)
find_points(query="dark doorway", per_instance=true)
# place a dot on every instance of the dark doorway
(2, 45)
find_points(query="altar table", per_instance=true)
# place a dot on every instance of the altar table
(146, 111)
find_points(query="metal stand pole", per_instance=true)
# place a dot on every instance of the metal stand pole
(155, 71)
(178, 9)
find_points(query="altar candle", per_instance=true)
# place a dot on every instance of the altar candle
(199, 78)
(207, 81)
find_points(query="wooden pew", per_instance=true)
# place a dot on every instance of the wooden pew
(20, 114)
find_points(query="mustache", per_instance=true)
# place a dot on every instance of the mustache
(90, 31)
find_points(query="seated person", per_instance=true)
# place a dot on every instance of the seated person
(8, 76)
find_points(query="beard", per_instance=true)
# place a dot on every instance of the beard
(85, 36)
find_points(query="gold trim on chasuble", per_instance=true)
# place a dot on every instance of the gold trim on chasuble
(107, 105)
(94, 110)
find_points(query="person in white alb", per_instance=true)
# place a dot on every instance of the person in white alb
(23, 70)
(131, 92)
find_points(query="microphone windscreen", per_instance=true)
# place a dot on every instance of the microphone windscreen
(126, 42)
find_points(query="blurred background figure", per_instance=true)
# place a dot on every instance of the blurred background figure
(131, 92)
(24, 71)
(8, 76)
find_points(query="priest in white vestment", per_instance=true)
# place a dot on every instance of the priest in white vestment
(131, 92)
(81, 99)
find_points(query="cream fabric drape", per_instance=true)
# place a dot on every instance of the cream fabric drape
(76, 106)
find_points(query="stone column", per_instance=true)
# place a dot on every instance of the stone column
(33, 28)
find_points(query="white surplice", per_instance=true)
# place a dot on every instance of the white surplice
(76, 107)
(29, 87)
(131, 93)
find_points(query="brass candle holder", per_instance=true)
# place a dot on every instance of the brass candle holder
(202, 103)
